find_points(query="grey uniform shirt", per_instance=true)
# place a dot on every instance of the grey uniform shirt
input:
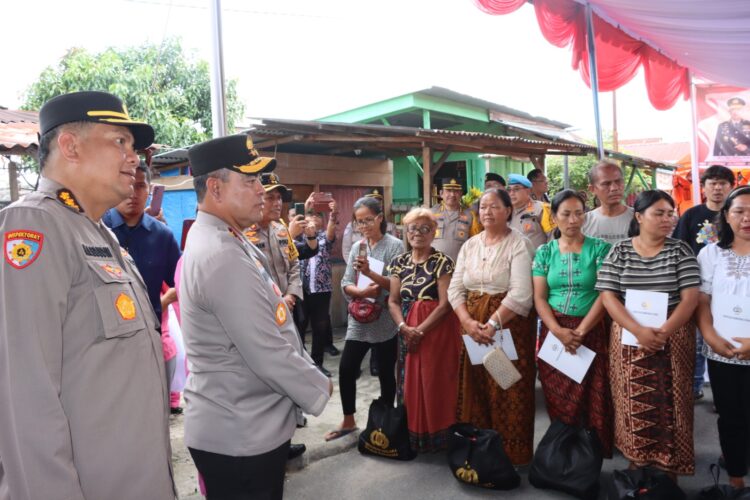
(83, 395)
(247, 370)
(453, 229)
(273, 241)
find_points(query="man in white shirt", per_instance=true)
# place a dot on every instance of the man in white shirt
(611, 220)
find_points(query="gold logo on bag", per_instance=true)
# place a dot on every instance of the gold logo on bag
(467, 474)
(379, 439)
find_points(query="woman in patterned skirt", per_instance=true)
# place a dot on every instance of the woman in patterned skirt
(652, 383)
(725, 276)
(564, 274)
(419, 305)
(490, 290)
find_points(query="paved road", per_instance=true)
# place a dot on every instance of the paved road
(351, 475)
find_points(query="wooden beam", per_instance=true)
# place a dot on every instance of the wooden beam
(276, 142)
(427, 176)
(442, 158)
(13, 180)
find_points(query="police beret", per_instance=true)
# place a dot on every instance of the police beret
(518, 179)
(235, 152)
(271, 182)
(491, 176)
(735, 102)
(96, 107)
(451, 183)
(374, 193)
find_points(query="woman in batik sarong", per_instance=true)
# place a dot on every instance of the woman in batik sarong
(491, 289)
(652, 382)
(564, 274)
(725, 276)
(429, 330)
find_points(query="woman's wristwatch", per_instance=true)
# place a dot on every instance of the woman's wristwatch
(494, 324)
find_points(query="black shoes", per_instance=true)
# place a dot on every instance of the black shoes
(296, 450)
(324, 371)
(331, 350)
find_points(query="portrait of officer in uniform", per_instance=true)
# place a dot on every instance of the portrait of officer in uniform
(533, 218)
(733, 135)
(248, 371)
(83, 393)
(456, 223)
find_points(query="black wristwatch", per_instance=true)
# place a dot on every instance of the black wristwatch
(310, 238)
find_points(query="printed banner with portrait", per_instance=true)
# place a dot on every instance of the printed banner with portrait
(723, 128)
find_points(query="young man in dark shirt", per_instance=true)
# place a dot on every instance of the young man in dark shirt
(697, 227)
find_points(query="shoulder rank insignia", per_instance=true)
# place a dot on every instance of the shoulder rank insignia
(65, 196)
(22, 247)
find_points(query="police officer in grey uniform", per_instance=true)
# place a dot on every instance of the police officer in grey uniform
(272, 238)
(248, 371)
(456, 223)
(83, 396)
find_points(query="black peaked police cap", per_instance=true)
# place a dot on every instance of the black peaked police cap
(96, 107)
(235, 152)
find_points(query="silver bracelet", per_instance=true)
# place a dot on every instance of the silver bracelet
(494, 324)
(400, 325)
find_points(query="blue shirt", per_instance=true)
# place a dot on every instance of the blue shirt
(153, 248)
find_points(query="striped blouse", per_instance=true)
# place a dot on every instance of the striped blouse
(672, 270)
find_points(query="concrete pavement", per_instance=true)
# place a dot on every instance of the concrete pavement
(332, 469)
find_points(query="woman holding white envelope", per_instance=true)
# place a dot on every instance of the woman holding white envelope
(491, 290)
(652, 381)
(723, 314)
(564, 274)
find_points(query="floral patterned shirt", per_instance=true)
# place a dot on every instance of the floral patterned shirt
(316, 271)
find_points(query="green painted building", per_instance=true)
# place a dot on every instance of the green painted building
(439, 108)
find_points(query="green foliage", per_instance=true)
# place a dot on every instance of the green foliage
(578, 169)
(160, 84)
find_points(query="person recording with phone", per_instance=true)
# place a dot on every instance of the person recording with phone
(154, 249)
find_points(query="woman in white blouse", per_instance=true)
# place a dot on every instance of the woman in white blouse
(490, 290)
(725, 280)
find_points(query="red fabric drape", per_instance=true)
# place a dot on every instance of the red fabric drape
(499, 7)
(619, 56)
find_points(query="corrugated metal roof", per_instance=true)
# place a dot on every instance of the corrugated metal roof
(18, 130)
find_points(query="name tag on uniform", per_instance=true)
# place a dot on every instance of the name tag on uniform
(731, 316)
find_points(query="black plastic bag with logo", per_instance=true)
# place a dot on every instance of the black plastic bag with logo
(643, 484)
(476, 457)
(387, 433)
(568, 459)
(722, 491)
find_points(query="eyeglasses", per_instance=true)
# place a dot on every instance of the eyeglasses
(423, 229)
(540, 180)
(365, 222)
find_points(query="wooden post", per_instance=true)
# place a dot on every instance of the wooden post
(427, 176)
(13, 180)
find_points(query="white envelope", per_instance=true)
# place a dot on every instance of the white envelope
(574, 366)
(731, 316)
(647, 308)
(376, 266)
(476, 351)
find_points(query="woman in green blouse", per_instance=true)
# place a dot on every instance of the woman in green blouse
(564, 273)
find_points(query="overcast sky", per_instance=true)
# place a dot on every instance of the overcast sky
(310, 58)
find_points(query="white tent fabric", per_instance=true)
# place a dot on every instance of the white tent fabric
(711, 38)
